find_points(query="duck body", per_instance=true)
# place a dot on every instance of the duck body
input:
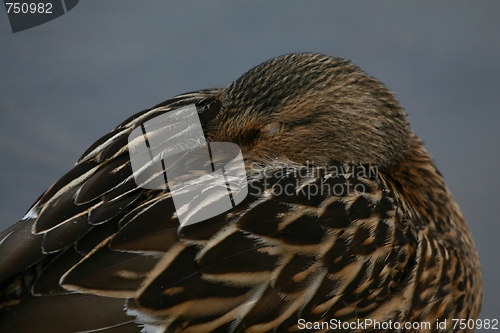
(347, 223)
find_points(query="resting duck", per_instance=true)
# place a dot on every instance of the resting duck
(346, 220)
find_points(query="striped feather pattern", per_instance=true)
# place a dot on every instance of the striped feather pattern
(97, 253)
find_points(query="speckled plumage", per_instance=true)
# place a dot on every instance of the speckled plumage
(382, 238)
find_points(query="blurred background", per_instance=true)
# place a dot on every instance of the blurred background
(68, 82)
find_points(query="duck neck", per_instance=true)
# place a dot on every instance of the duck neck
(418, 181)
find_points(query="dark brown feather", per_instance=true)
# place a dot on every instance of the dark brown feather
(347, 218)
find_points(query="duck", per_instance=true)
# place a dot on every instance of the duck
(345, 222)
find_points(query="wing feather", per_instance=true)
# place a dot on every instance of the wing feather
(322, 248)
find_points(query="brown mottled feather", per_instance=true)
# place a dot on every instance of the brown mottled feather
(97, 253)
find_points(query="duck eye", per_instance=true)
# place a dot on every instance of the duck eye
(250, 136)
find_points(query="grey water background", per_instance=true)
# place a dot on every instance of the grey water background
(68, 82)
